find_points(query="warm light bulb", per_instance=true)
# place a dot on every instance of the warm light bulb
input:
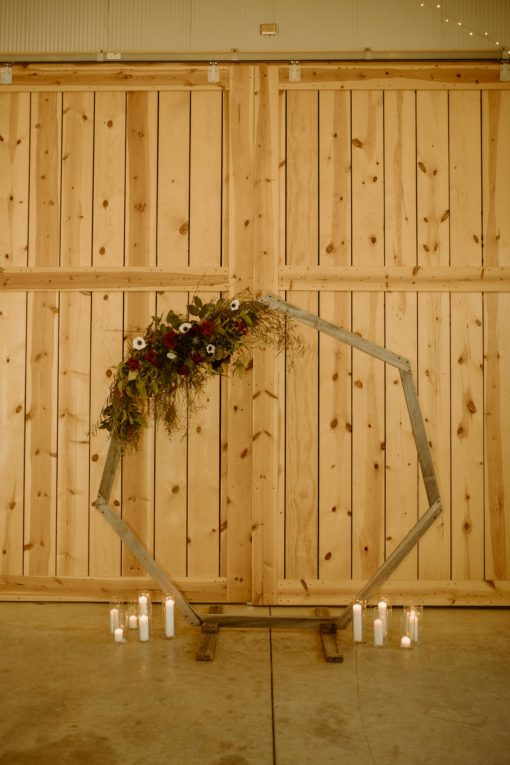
(447, 20)
(459, 23)
(471, 34)
(438, 5)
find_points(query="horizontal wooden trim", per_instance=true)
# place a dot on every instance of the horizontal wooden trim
(396, 76)
(91, 589)
(112, 279)
(429, 592)
(349, 75)
(395, 279)
(309, 279)
(111, 77)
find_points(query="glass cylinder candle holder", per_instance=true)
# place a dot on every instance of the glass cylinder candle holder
(132, 615)
(412, 622)
(119, 635)
(384, 610)
(168, 604)
(115, 609)
(144, 616)
(359, 608)
(380, 635)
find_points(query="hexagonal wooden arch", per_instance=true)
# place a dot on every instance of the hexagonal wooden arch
(216, 620)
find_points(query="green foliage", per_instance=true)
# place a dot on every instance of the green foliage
(167, 367)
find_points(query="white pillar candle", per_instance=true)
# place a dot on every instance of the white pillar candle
(405, 642)
(357, 622)
(133, 621)
(382, 607)
(143, 623)
(142, 605)
(378, 632)
(169, 617)
(114, 619)
(118, 634)
(413, 625)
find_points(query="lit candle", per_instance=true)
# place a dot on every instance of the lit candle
(133, 621)
(357, 622)
(378, 632)
(143, 623)
(405, 642)
(383, 614)
(169, 617)
(413, 625)
(118, 634)
(142, 605)
(114, 619)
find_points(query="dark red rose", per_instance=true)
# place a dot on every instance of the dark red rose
(193, 332)
(206, 328)
(133, 363)
(241, 327)
(197, 357)
(170, 339)
(184, 370)
(150, 356)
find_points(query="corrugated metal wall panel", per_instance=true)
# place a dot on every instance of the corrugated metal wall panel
(53, 25)
(138, 25)
(205, 26)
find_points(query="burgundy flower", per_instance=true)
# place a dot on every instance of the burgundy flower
(241, 327)
(133, 363)
(150, 356)
(197, 357)
(184, 370)
(206, 328)
(170, 340)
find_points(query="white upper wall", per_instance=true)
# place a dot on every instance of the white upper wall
(229, 29)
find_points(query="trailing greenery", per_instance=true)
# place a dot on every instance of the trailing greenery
(166, 369)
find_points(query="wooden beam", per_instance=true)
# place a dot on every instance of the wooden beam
(269, 622)
(391, 563)
(328, 634)
(114, 77)
(343, 335)
(210, 631)
(429, 592)
(138, 279)
(378, 75)
(395, 278)
(101, 589)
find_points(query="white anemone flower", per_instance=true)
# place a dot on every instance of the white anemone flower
(234, 305)
(171, 355)
(184, 327)
(139, 343)
(210, 349)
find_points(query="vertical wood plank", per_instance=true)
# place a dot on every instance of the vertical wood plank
(401, 319)
(74, 339)
(335, 415)
(42, 345)
(14, 157)
(267, 403)
(466, 340)
(496, 226)
(173, 234)
(301, 529)
(368, 459)
(240, 389)
(107, 309)
(141, 199)
(434, 319)
(205, 250)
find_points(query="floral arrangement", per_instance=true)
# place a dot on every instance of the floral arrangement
(168, 366)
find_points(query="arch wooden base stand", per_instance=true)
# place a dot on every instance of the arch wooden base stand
(327, 624)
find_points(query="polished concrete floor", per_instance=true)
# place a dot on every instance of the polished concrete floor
(69, 695)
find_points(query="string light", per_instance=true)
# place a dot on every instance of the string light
(461, 23)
